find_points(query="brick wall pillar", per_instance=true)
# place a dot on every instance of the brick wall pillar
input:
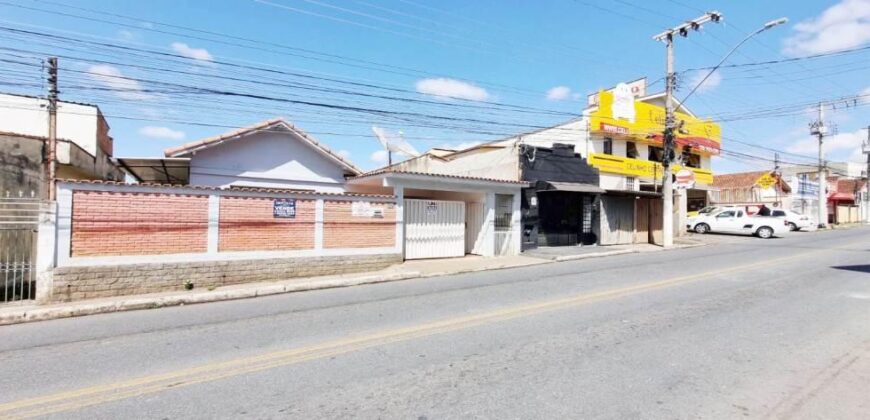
(214, 226)
(46, 244)
(318, 224)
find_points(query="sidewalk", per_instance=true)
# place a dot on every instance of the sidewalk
(20, 313)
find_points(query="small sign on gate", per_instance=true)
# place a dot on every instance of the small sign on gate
(284, 208)
(431, 208)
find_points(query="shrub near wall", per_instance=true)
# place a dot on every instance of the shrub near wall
(126, 223)
(248, 224)
(342, 228)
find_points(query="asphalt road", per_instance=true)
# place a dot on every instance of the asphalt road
(743, 329)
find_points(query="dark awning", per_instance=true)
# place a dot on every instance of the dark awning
(571, 187)
(635, 193)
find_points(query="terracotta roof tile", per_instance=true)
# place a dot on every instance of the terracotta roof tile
(206, 188)
(263, 125)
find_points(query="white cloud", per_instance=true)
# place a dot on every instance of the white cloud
(124, 88)
(380, 157)
(458, 146)
(559, 93)
(345, 154)
(164, 133)
(125, 35)
(200, 54)
(846, 145)
(452, 88)
(841, 26)
(711, 83)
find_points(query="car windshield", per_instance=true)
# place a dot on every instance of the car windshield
(706, 210)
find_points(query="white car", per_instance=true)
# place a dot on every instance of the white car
(736, 220)
(796, 221)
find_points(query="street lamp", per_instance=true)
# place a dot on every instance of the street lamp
(670, 124)
(766, 26)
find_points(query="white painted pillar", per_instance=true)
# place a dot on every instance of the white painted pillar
(318, 224)
(46, 248)
(214, 218)
(399, 192)
(682, 216)
(516, 225)
(489, 226)
(63, 226)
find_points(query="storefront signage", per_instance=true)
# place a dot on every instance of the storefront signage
(807, 190)
(647, 124)
(685, 179)
(642, 168)
(637, 89)
(284, 208)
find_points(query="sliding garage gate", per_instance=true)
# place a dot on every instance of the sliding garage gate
(434, 229)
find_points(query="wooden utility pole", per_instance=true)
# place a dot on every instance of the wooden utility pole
(52, 128)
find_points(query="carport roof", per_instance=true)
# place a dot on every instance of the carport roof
(388, 173)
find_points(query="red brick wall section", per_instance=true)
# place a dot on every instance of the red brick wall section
(248, 224)
(341, 229)
(126, 223)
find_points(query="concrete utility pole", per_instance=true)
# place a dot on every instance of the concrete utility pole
(670, 124)
(818, 129)
(52, 127)
(866, 150)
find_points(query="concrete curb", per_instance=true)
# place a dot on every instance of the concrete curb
(31, 314)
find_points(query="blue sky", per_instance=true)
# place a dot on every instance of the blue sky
(515, 65)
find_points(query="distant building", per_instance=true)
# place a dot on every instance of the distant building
(84, 147)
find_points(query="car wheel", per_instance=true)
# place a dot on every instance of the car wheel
(764, 232)
(702, 228)
(793, 227)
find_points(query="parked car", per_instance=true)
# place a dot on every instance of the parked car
(737, 220)
(705, 210)
(796, 221)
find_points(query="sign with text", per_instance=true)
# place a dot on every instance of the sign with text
(641, 168)
(284, 208)
(647, 123)
(766, 181)
(685, 179)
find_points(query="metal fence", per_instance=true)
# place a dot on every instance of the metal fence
(19, 222)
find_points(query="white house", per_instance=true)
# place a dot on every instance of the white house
(270, 154)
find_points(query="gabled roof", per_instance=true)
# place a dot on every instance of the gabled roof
(277, 124)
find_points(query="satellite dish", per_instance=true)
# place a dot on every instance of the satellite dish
(393, 142)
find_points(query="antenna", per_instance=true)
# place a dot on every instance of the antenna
(393, 142)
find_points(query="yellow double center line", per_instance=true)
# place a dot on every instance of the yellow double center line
(84, 397)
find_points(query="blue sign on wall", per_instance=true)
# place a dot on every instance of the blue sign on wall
(284, 208)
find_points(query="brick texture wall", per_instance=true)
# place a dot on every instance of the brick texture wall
(121, 223)
(91, 282)
(341, 229)
(247, 224)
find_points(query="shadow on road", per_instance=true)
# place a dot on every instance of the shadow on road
(859, 268)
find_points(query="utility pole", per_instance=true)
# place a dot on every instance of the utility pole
(52, 128)
(866, 150)
(818, 129)
(670, 124)
(776, 187)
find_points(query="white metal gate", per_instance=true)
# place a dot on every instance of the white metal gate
(19, 221)
(434, 229)
(474, 232)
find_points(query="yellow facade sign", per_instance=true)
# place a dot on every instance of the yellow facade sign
(766, 181)
(641, 168)
(648, 124)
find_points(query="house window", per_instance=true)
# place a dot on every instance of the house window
(608, 146)
(693, 161)
(655, 154)
(631, 150)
